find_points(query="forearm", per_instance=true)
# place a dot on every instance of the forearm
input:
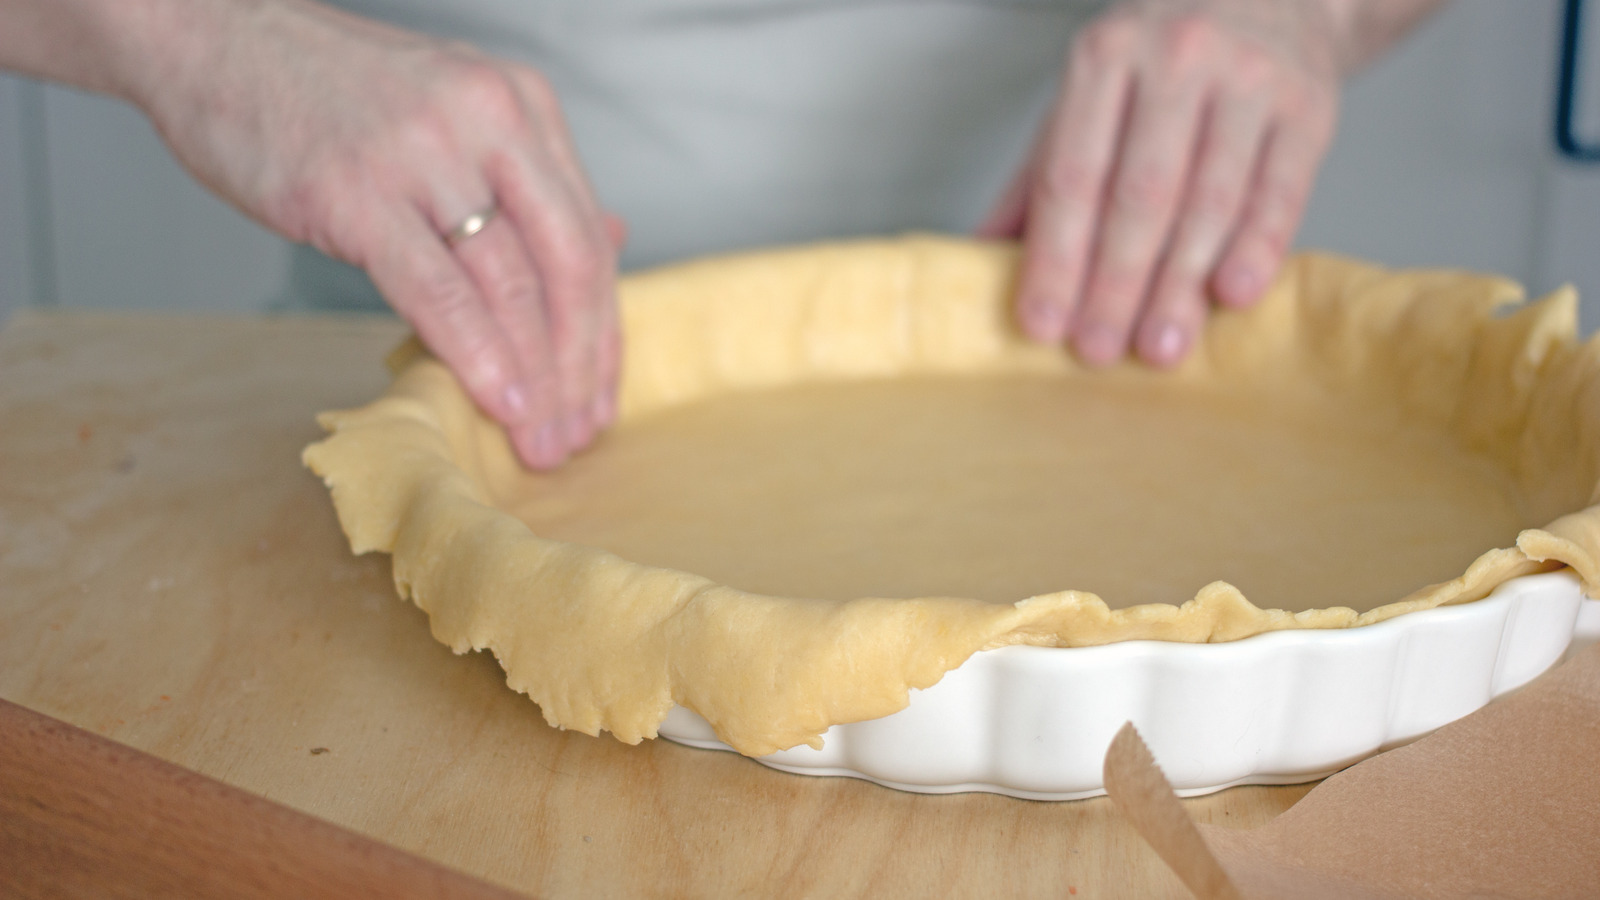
(142, 51)
(1368, 28)
(108, 46)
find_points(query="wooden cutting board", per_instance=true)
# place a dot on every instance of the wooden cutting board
(171, 578)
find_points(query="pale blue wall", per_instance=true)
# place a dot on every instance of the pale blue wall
(1444, 158)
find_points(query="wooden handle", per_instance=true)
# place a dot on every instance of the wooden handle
(84, 816)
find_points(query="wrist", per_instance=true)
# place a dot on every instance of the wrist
(84, 43)
(1343, 19)
(154, 47)
(1364, 29)
(135, 50)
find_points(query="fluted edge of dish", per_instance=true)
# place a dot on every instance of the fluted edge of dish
(1276, 708)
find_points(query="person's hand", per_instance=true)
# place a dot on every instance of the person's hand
(1173, 170)
(374, 145)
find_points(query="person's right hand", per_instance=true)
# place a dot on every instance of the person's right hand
(373, 144)
(1172, 172)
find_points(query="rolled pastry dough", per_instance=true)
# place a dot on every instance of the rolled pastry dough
(839, 472)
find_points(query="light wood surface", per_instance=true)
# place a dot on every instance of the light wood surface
(172, 579)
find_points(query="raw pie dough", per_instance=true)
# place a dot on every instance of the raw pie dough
(839, 472)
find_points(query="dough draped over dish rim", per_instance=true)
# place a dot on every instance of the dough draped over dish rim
(602, 643)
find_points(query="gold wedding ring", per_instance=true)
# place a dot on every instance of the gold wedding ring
(471, 225)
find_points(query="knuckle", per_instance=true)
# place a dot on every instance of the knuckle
(581, 266)
(1180, 296)
(1188, 42)
(1054, 266)
(485, 89)
(1116, 291)
(539, 92)
(1053, 284)
(516, 289)
(1146, 188)
(573, 359)
(609, 356)
(447, 300)
(452, 313)
(424, 133)
(1274, 229)
(1317, 102)
(1109, 40)
(1275, 237)
(1253, 69)
(1069, 180)
(1191, 257)
(1320, 127)
(544, 382)
(481, 369)
(1279, 201)
(580, 269)
(1214, 202)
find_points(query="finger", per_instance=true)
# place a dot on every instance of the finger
(497, 263)
(1009, 214)
(1277, 201)
(1231, 141)
(1153, 166)
(575, 244)
(1064, 199)
(607, 344)
(546, 127)
(610, 371)
(565, 238)
(549, 127)
(429, 289)
(616, 229)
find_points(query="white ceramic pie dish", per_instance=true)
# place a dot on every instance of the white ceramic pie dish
(607, 598)
(1278, 708)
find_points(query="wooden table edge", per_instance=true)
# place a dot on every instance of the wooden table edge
(82, 815)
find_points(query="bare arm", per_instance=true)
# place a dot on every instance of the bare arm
(373, 144)
(1369, 28)
(67, 41)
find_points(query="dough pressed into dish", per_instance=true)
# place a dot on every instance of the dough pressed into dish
(840, 471)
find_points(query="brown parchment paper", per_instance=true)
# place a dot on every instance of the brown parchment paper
(1502, 803)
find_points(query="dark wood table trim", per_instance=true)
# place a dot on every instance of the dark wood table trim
(83, 816)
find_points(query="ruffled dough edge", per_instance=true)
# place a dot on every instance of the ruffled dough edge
(601, 643)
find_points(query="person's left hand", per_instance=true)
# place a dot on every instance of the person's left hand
(1175, 164)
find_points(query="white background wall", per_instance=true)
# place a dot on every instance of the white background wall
(1441, 151)
(119, 224)
(1444, 158)
(1446, 155)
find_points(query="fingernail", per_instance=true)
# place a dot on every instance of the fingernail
(1170, 345)
(516, 401)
